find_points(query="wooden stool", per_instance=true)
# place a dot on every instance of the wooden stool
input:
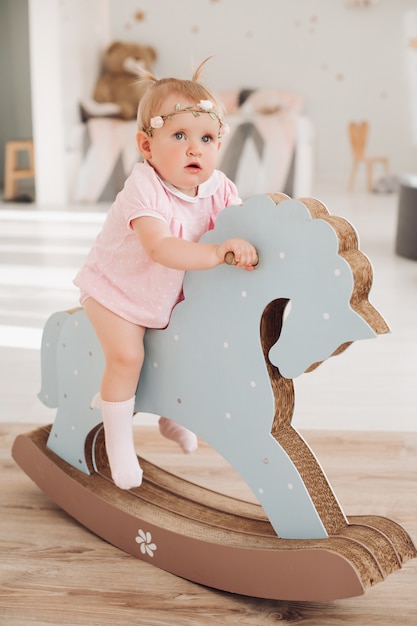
(358, 133)
(12, 172)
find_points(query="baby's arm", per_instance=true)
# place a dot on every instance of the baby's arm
(176, 253)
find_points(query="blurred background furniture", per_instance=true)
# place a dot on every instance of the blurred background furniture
(270, 146)
(110, 153)
(13, 170)
(358, 135)
(406, 237)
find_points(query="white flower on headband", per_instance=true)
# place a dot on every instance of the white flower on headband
(206, 105)
(157, 122)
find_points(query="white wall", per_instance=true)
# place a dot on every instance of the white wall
(15, 98)
(66, 42)
(350, 63)
(47, 101)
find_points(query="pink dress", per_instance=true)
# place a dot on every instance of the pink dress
(119, 274)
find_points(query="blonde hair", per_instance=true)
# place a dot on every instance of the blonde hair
(158, 90)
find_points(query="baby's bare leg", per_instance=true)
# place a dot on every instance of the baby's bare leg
(122, 344)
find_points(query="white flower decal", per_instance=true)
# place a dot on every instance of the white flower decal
(157, 122)
(145, 542)
(206, 105)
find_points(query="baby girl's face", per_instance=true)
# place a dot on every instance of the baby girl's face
(184, 150)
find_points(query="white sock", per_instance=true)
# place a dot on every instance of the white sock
(184, 437)
(118, 428)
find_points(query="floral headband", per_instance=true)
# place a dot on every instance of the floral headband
(205, 106)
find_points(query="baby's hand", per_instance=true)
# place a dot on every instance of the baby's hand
(242, 252)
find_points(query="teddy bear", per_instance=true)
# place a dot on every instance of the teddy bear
(117, 92)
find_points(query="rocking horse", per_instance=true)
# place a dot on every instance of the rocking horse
(224, 368)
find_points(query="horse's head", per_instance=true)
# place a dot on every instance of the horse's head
(311, 259)
(312, 331)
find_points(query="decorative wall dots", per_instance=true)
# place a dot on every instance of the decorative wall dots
(313, 22)
(361, 3)
(412, 43)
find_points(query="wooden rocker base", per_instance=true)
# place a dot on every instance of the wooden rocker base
(209, 538)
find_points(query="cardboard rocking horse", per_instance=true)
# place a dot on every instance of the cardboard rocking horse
(224, 368)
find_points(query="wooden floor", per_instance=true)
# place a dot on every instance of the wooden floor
(54, 571)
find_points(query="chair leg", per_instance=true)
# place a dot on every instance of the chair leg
(9, 167)
(370, 175)
(353, 175)
(12, 172)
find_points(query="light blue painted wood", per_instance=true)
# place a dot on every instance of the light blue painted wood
(72, 365)
(206, 370)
